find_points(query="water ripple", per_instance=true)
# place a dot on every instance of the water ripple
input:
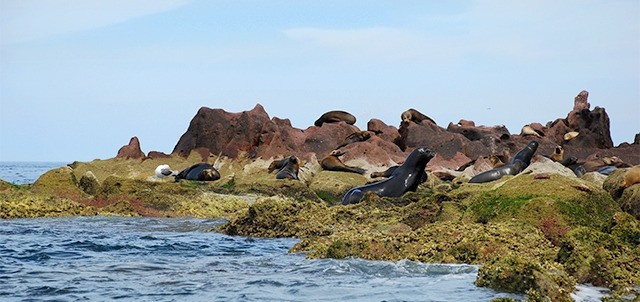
(154, 259)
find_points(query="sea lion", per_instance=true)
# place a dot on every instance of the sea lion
(558, 154)
(201, 171)
(520, 161)
(415, 116)
(332, 162)
(334, 117)
(405, 178)
(528, 130)
(386, 173)
(355, 137)
(277, 164)
(570, 135)
(163, 171)
(631, 177)
(290, 168)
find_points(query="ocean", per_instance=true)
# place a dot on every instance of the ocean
(181, 259)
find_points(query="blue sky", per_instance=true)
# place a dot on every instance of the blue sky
(79, 78)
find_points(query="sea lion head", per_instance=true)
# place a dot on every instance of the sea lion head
(406, 116)
(337, 153)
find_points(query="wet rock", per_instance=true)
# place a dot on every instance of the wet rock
(131, 151)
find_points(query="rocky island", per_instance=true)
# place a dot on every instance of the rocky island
(569, 216)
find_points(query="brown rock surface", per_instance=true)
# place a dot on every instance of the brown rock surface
(131, 151)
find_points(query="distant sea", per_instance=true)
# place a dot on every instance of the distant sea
(20, 173)
(178, 259)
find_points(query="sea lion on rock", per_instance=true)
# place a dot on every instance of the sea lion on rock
(355, 137)
(558, 154)
(332, 162)
(405, 178)
(415, 116)
(386, 173)
(631, 177)
(290, 168)
(570, 135)
(528, 130)
(277, 164)
(520, 161)
(334, 117)
(201, 171)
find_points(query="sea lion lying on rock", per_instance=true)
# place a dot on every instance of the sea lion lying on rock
(405, 178)
(355, 137)
(201, 171)
(332, 162)
(334, 117)
(415, 116)
(519, 162)
(289, 169)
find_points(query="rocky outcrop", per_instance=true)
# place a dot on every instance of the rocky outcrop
(255, 135)
(131, 151)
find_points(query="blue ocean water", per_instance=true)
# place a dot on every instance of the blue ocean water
(162, 259)
(20, 173)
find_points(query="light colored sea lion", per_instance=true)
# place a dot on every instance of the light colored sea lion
(415, 116)
(201, 171)
(570, 135)
(520, 161)
(386, 173)
(405, 178)
(290, 169)
(334, 117)
(631, 177)
(558, 154)
(528, 130)
(332, 162)
(355, 137)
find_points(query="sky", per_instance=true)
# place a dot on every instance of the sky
(79, 78)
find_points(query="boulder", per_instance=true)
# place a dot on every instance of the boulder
(131, 151)
(228, 134)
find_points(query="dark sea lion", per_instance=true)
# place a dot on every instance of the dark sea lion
(201, 171)
(334, 117)
(355, 137)
(290, 169)
(332, 162)
(415, 116)
(277, 164)
(405, 178)
(520, 161)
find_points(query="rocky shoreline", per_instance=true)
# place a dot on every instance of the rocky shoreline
(539, 232)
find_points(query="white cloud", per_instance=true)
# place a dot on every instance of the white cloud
(28, 20)
(521, 30)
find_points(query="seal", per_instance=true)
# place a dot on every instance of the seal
(570, 135)
(520, 161)
(332, 162)
(631, 177)
(355, 137)
(558, 154)
(528, 130)
(201, 171)
(386, 173)
(405, 178)
(277, 164)
(415, 116)
(334, 117)
(290, 168)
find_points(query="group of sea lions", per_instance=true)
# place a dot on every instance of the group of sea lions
(401, 178)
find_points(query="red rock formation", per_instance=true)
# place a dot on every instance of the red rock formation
(253, 133)
(131, 151)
